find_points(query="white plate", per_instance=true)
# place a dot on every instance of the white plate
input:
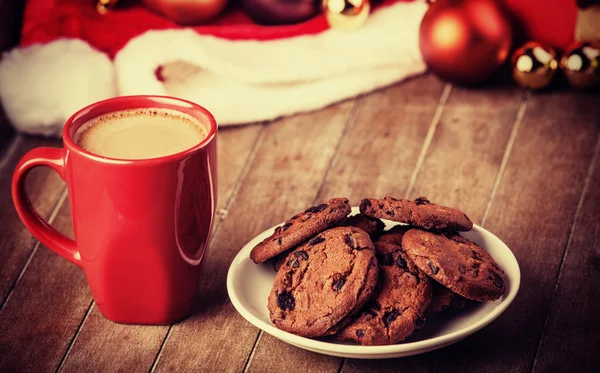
(249, 284)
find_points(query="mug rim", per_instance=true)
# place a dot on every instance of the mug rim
(72, 146)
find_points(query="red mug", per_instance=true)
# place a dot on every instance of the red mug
(141, 226)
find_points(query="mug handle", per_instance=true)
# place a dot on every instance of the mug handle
(56, 241)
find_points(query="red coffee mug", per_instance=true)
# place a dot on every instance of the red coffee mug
(141, 226)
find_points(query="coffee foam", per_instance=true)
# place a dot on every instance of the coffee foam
(140, 133)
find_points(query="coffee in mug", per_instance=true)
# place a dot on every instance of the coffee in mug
(140, 134)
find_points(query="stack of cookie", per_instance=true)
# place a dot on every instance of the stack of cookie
(346, 277)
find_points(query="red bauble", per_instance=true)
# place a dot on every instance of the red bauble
(465, 41)
(280, 12)
(187, 12)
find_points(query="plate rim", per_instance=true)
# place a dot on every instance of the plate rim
(350, 349)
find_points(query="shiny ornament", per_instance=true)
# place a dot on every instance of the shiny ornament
(280, 12)
(346, 15)
(186, 12)
(534, 65)
(581, 64)
(105, 6)
(465, 41)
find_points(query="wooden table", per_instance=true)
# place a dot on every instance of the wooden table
(523, 165)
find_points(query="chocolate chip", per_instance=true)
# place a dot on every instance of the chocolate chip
(338, 284)
(365, 203)
(295, 257)
(434, 269)
(301, 254)
(293, 262)
(381, 205)
(386, 259)
(316, 240)
(389, 317)
(279, 241)
(349, 240)
(394, 199)
(286, 226)
(400, 262)
(475, 255)
(422, 201)
(286, 301)
(390, 213)
(318, 208)
(497, 280)
(360, 333)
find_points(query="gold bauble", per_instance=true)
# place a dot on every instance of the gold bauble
(581, 64)
(105, 6)
(534, 65)
(346, 15)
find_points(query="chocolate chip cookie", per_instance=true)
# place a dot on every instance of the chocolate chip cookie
(444, 298)
(373, 226)
(456, 263)
(397, 310)
(394, 235)
(324, 280)
(300, 228)
(420, 212)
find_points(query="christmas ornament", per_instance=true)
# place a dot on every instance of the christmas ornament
(186, 12)
(465, 41)
(280, 12)
(105, 6)
(534, 65)
(581, 64)
(346, 15)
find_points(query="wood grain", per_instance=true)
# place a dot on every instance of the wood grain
(572, 334)
(282, 180)
(44, 187)
(383, 144)
(104, 346)
(44, 310)
(466, 152)
(532, 212)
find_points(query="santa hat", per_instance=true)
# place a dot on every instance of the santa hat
(71, 56)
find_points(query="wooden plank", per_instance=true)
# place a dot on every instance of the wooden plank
(466, 152)
(532, 211)
(44, 187)
(54, 297)
(572, 335)
(283, 179)
(104, 346)
(383, 145)
(100, 341)
(44, 310)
